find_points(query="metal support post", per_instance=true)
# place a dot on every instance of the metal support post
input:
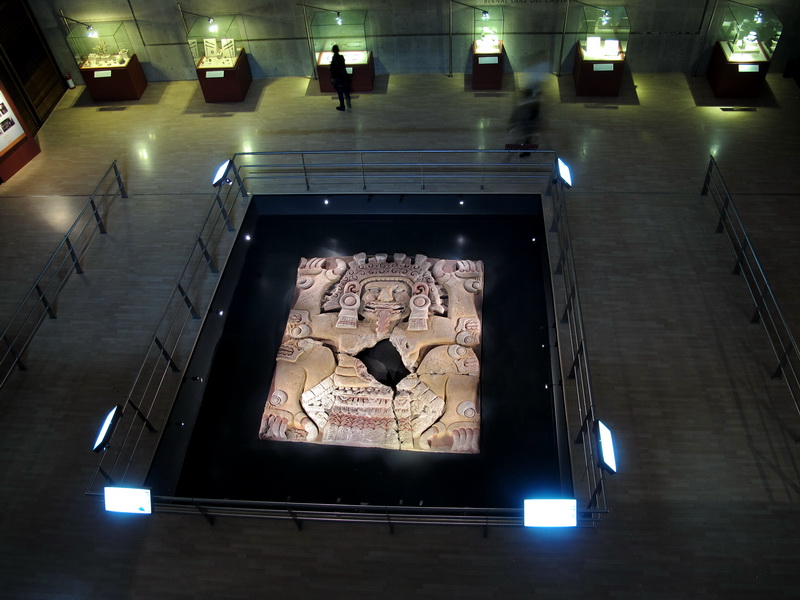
(75, 262)
(223, 210)
(47, 306)
(97, 216)
(188, 302)
(122, 191)
(143, 417)
(207, 255)
(166, 355)
(17, 357)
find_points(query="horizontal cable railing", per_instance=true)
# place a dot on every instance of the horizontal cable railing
(767, 310)
(147, 406)
(574, 354)
(40, 301)
(394, 170)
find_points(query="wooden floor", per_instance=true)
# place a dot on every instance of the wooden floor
(707, 500)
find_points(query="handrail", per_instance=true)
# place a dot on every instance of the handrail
(574, 354)
(767, 309)
(40, 300)
(146, 407)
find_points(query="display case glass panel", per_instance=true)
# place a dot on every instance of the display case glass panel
(215, 44)
(749, 34)
(489, 30)
(603, 32)
(350, 36)
(104, 45)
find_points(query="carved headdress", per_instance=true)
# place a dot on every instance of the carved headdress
(345, 295)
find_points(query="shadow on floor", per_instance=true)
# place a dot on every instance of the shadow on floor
(379, 86)
(627, 93)
(152, 96)
(704, 96)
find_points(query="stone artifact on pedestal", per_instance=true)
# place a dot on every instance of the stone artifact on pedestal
(429, 310)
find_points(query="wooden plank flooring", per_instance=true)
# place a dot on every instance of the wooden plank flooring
(706, 504)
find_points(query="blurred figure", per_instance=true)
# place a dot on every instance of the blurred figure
(522, 124)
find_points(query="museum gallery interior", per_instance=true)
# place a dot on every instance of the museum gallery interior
(518, 319)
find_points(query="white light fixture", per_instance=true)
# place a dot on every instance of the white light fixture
(607, 459)
(107, 429)
(220, 176)
(564, 173)
(759, 18)
(550, 513)
(606, 18)
(485, 15)
(128, 500)
(338, 18)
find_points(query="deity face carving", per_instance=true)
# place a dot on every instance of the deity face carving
(385, 300)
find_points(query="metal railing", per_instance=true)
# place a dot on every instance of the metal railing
(152, 393)
(40, 301)
(146, 407)
(419, 171)
(574, 354)
(767, 310)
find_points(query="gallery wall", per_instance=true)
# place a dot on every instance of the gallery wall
(407, 36)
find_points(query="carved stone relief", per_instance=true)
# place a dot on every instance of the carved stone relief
(428, 309)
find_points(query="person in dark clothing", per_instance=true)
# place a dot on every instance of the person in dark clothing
(340, 79)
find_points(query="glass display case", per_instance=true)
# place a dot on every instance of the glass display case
(489, 30)
(213, 42)
(104, 45)
(346, 29)
(749, 34)
(603, 33)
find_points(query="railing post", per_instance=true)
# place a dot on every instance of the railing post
(421, 155)
(188, 302)
(305, 171)
(75, 262)
(363, 178)
(708, 177)
(223, 210)
(166, 355)
(207, 255)
(97, 216)
(122, 191)
(47, 306)
(17, 357)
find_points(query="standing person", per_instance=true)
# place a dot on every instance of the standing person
(340, 79)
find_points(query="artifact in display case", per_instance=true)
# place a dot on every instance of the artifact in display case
(223, 69)
(108, 67)
(746, 41)
(346, 29)
(17, 145)
(487, 49)
(603, 35)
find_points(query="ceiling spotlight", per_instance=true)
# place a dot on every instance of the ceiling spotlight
(212, 27)
(606, 18)
(759, 18)
(485, 15)
(338, 18)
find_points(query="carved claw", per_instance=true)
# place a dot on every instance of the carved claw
(336, 273)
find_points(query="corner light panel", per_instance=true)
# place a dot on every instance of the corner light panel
(128, 500)
(107, 429)
(564, 173)
(550, 513)
(220, 175)
(608, 459)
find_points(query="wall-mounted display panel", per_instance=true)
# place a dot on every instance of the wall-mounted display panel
(17, 145)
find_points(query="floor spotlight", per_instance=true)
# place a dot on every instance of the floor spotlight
(107, 429)
(550, 513)
(605, 442)
(221, 176)
(127, 500)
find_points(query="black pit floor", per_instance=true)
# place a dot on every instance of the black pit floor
(225, 459)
